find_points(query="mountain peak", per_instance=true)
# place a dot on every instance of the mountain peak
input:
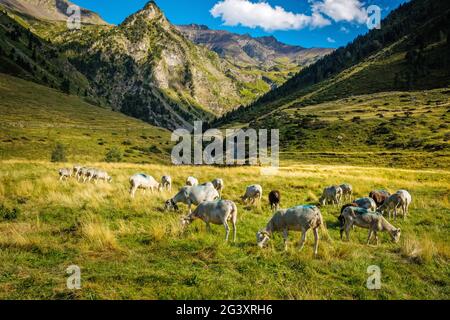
(151, 5)
(149, 12)
(53, 10)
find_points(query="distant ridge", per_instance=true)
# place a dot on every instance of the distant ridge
(245, 49)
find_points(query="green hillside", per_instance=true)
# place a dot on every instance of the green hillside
(25, 54)
(34, 118)
(410, 52)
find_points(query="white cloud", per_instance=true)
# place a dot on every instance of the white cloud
(270, 18)
(344, 30)
(263, 15)
(341, 10)
(331, 40)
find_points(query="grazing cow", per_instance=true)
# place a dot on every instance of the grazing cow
(347, 191)
(65, 173)
(143, 181)
(367, 219)
(166, 183)
(192, 196)
(89, 174)
(101, 175)
(215, 212)
(274, 199)
(300, 218)
(218, 185)
(76, 170)
(332, 194)
(366, 203)
(252, 193)
(399, 200)
(379, 196)
(191, 181)
(82, 173)
(407, 199)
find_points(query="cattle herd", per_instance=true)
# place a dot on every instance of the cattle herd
(368, 212)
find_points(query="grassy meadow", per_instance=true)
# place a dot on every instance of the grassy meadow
(131, 249)
(35, 118)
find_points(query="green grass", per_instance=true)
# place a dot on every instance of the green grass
(131, 249)
(400, 129)
(34, 118)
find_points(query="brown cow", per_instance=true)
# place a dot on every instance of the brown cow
(379, 196)
(274, 199)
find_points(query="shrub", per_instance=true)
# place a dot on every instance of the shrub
(9, 214)
(127, 143)
(113, 155)
(59, 153)
(154, 149)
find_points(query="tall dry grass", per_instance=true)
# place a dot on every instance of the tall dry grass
(98, 234)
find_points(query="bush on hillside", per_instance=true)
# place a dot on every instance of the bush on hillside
(9, 214)
(59, 153)
(113, 155)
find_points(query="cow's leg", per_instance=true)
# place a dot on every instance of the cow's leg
(227, 230)
(234, 231)
(303, 239)
(316, 240)
(341, 230)
(348, 226)
(132, 190)
(370, 236)
(285, 238)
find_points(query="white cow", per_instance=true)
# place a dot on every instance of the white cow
(215, 212)
(300, 218)
(192, 196)
(166, 182)
(143, 181)
(191, 181)
(252, 193)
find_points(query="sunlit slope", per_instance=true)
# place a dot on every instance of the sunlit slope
(34, 118)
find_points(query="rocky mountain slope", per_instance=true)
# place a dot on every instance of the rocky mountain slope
(144, 67)
(244, 49)
(50, 10)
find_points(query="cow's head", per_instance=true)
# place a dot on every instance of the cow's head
(396, 235)
(262, 237)
(170, 205)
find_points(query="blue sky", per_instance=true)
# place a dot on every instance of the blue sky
(309, 23)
